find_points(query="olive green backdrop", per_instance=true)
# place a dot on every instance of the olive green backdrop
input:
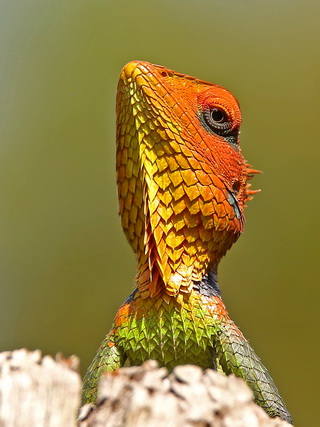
(65, 266)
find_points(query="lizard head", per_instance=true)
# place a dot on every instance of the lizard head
(182, 179)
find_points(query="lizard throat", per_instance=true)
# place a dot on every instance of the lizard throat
(178, 245)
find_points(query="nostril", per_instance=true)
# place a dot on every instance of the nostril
(236, 186)
(164, 74)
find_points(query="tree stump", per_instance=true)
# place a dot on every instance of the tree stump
(144, 396)
(38, 391)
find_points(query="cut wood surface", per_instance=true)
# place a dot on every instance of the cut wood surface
(38, 391)
(146, 395)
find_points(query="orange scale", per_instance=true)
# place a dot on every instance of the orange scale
(207, 169)
(176, 180)
(129, 168)
(179, 206)
(213, 246)
(191, 249)
(205, 235)
(203, 177)
(121, 173)
(164, 211)
(206, 192)
(173, 165)
(151, 155)
(167, 148)
(158, 148)
(182, 162)
(157, 232)
(155, 103)
(192, 192)
(147, 90)
(128, 200)
(221, 223)
(207, 209)
(153, 204)
(166, 197)
(178, 222)
(122, 315)
(130, 233)
(138, 227)
(189, 237)
(162, 180)
(218, 183)
(194, 163)
(137, 198)
(186, 151)
(177, 109)
(173, 240)
(219, 196)
(124, 188)
(208, 222)
(121, 204)
(216, 307)
(176, 255)
(193, 207)
(191, 221)
(142, 118)
(187, 260)
(127, 140)
(189, 177)
(132, 184)
(161, 247)
(125, 219)
(124, 155)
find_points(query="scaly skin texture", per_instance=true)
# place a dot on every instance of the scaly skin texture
(182, 184)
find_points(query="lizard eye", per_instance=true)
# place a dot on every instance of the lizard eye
(218, 115)
(217, 119)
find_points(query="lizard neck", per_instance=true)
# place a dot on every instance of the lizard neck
(179, 255)
(181, 221)
(150, 285)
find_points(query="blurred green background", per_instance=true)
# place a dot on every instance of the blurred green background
(65, 265)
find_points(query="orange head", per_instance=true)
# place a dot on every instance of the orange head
(182, 179)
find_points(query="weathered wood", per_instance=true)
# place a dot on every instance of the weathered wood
(188, 397)
(38, 391)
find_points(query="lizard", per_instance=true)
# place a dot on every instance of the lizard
(183, 185)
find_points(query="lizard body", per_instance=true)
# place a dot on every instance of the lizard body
(182, 185)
